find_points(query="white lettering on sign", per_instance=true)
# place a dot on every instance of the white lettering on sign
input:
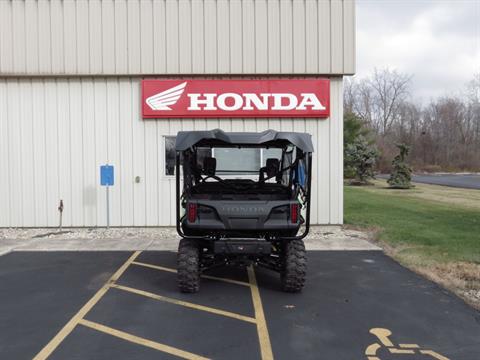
(249, 101)
(310, 99)
(260, 104)
(279, 103)
(207, 101)
(237, 101)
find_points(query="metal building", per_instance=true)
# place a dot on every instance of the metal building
(70, 97)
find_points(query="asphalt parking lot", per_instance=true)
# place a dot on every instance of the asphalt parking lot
(125, 305)
(466, 181)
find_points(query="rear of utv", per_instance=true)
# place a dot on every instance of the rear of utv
(244, 200)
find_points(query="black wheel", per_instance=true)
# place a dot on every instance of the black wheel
(294, 266)
(188, 266)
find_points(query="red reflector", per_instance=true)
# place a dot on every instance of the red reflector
(294, 213)
(192, 212)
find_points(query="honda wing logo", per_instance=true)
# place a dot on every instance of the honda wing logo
(236, 98)
(161, 101)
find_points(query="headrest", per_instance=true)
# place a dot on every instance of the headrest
(272, 167)
(209, 166)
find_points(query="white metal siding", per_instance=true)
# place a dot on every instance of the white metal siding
(55, 133)
(134, 37)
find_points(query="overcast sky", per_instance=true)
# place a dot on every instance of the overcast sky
(437, 41)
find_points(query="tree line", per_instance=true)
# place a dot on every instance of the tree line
(443, 134)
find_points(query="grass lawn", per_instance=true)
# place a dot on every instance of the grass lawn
(431, 229)
(416, 227)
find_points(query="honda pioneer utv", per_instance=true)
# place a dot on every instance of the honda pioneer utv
(244, 199)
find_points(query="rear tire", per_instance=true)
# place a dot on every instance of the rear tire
(188, 266)
(294, 266)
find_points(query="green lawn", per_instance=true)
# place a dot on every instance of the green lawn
(419, 230)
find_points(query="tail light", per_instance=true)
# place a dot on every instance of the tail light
(192, 212)
(294, 208)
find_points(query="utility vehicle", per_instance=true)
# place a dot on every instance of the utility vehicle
(244, 199)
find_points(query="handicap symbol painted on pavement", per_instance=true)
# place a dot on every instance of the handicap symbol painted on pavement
(402, 349)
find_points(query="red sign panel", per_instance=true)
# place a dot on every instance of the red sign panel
(235, 98)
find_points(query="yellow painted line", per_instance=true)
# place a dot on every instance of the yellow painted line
(231, 281)
(401, 351)
(372, 349)
(409, 346)
(163, 268)
(262, 329)
(434, 354)
(141, 341)
(185, 303)
(70, 325)
(156, 267)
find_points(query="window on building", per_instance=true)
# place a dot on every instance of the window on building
(169, 155)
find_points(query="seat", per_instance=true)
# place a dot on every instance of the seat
(209, 166)
(271, 168)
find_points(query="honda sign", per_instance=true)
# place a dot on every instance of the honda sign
(235, 98)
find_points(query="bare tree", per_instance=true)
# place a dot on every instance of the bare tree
(444, 134)
(390, 90)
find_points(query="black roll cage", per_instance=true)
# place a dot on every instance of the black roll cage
(307, 190)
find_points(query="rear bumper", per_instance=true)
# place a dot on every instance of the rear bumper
(238, 247)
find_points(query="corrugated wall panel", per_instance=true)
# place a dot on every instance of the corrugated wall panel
(273, 30)
(107, 50)
(52, 146)
(39, 151)
(184, 36)
(223, 37)
(31, 29)
(336, 154)
(6, 59)
(98, 32)
(90, 188)
(69, 37)
(349, 42)
(324, 37)
(236, 60)
(84, 43)
(198, 55)
(286, 37)
(76, 152)
(336, 33)
(125, 174)
(14, 121)
(26, 157)
(51, 153)
(299, 33)
(5, 218)
(121, 42)
(311, 37)
(134, 37)
(18, 17)
(52, 46)
(210, 15)
(261, 37)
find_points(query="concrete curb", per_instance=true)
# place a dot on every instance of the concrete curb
(347, 244)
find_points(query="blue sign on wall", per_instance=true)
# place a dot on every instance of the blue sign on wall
(106, 175)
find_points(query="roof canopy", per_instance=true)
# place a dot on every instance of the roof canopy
(217, 137)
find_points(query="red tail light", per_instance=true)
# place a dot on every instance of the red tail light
(192, 212)
(294, 213)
